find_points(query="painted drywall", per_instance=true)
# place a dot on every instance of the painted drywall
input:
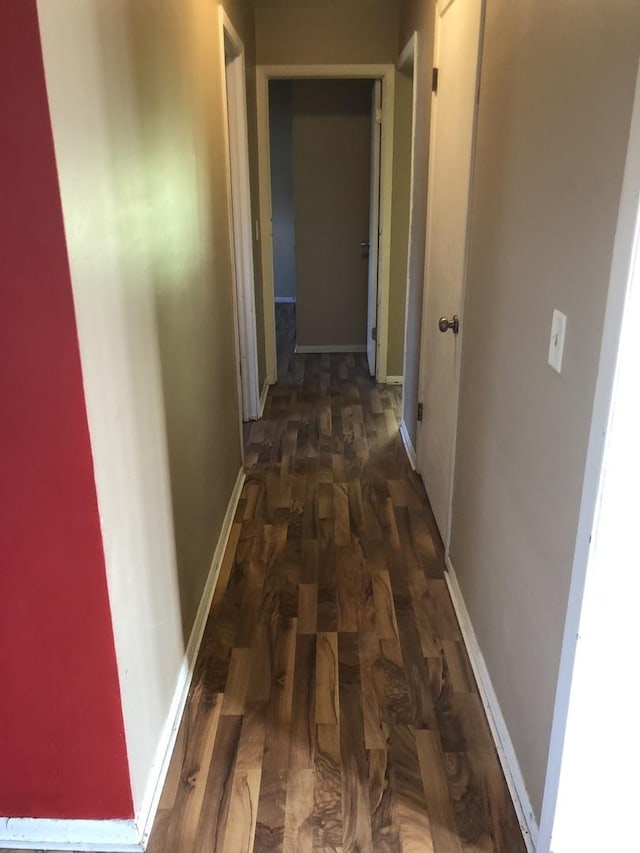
(331, 179)
(282, 210)
(403, 107)
(135, 91)
(555, 102)
(326, 33)
(417, 16)
(62, 746)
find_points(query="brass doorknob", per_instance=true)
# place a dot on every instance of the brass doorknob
(444, 325)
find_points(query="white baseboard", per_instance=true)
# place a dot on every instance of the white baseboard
(408, 444)
(285, 299)
(497, 724)
(333, 348)
(164, 751)
(131, 836)
(76, 835)
(394, 380)
(263, 398)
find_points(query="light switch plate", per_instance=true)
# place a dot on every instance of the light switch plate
(556, 343)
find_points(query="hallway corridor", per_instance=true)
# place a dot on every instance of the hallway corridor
(333, 707)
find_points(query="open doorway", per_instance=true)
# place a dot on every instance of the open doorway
(324, 156)
(325, 148)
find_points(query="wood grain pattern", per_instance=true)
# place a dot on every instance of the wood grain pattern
(333, 706)
(298, 823)
(327, 679)
(243, 810)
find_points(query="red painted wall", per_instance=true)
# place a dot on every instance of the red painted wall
(62, 747)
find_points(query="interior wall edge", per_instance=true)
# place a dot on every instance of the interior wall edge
(60, 682)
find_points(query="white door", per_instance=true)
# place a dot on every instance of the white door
(374, 225)
(457, 43)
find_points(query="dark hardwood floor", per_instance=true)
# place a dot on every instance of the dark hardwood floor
(333, 707)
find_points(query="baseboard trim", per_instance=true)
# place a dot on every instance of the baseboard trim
(328, 348)
(131, 836)
(77, 835)
(408, 444)
(160, 766)
(288, 299)
(263, 398)
(394, 380)
(497, 724)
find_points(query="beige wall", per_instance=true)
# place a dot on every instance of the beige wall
(328, 33)
(403, 105)
(136, 103)
(556, 93)
(331, 181)
(417, 16)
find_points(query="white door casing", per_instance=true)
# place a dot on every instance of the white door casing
(237, 152)
(374, 226)
(456, 56)
(386, 75)
(409, 62)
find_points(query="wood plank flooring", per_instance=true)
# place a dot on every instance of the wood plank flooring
(333, 707)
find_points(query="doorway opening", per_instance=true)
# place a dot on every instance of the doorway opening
(325, 140)
(324, 156)
(241, 234)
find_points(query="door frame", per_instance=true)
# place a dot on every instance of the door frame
(236, 152)
(373, 272)
(409, 55)
(441, 7)
(385, 73)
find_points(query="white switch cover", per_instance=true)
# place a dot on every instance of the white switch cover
(556, 344)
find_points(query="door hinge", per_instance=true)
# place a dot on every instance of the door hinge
(374, 333)
(379, 115)
(434, 81)
(419, 411)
